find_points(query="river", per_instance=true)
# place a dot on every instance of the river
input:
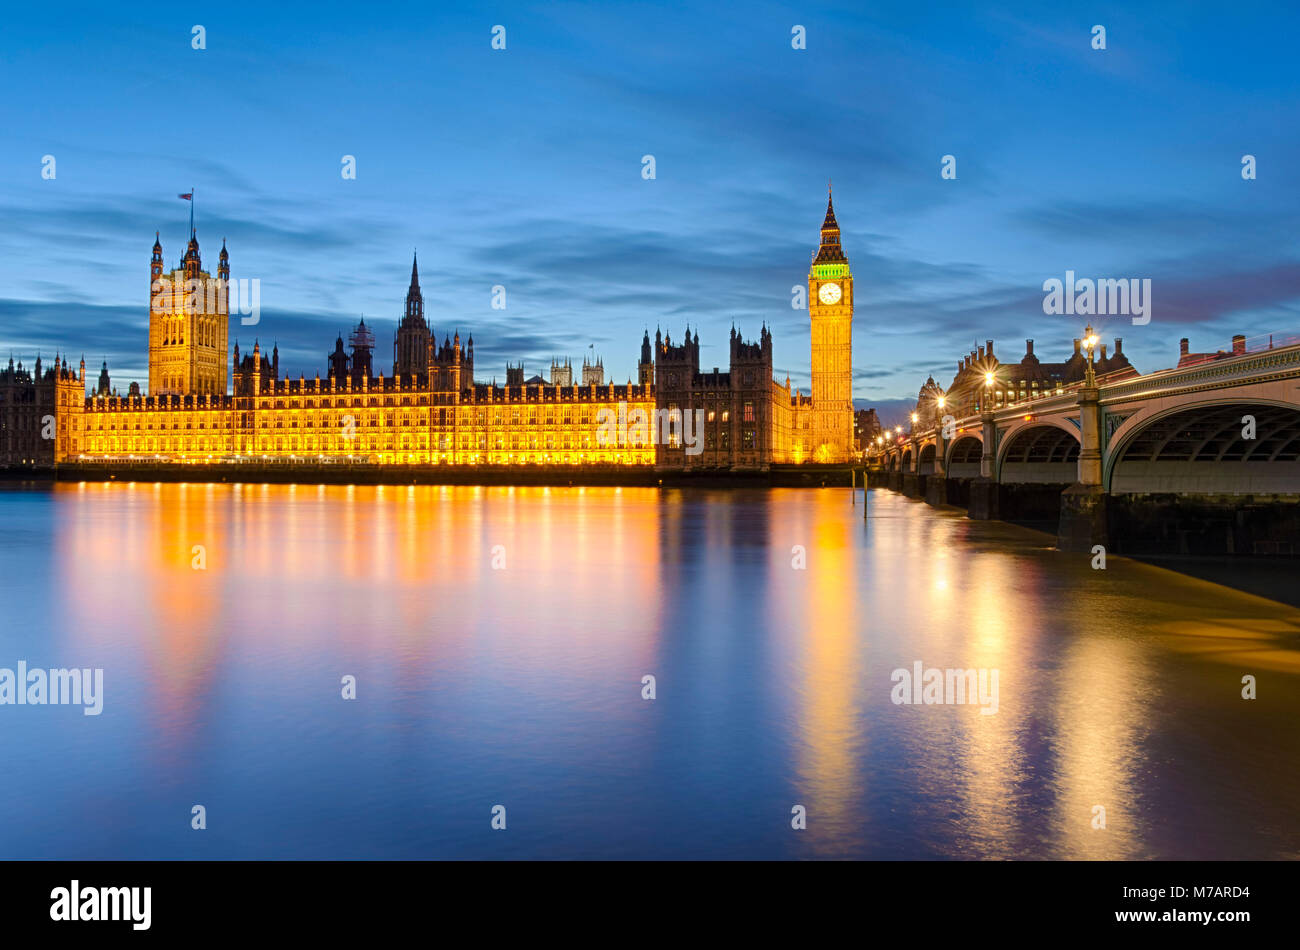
(499, 640)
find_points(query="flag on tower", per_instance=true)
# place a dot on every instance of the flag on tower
(189, 196)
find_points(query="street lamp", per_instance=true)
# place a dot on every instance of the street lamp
(1089, 343)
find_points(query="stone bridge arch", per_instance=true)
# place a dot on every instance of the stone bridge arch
(925, 460)
(1200, 449)
(964, 453)
(1039, 451)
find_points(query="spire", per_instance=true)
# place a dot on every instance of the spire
(830, 251)
(413, 315)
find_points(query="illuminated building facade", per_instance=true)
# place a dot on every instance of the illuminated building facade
(433, 411)
(387, 420)
(827, 432)
(430, 411)
(188, 324)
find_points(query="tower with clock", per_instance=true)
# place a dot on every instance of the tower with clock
(830, 306)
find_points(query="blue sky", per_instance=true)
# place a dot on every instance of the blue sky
(522, 168)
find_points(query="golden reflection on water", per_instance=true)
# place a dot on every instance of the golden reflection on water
(397, 567)
(1100, 721)
(1095, 669)
(831, 735)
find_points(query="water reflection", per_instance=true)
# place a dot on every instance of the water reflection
(500, 637)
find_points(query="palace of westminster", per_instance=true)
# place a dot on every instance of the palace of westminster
(431, 410)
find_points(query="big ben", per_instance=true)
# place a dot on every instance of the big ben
(830, 305)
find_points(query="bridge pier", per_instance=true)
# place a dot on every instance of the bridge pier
(1083, 518)
(1083, 505)
(985, 500)
(911, 485)
(957, 491)
(985, 497)
(936, 490)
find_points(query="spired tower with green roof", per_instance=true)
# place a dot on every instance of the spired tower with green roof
(830, 307)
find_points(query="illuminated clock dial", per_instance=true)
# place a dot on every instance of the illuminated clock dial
(829, 292)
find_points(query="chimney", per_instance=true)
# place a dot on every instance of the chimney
(1119, 346)
(1076, 347)
(981, 352)
(1103, 352)
(1238, 344)
(989, 348)
(1182, 347)
(1029, 348)
(959, 366)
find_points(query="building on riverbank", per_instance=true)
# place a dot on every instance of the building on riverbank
(431, 410)
(39, 408)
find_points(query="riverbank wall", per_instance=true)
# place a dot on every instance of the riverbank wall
(305, 473)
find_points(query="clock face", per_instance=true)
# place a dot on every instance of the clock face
(829, 293)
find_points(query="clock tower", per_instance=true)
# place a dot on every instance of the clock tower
(830, 306)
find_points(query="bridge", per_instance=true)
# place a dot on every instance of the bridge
(1204, 458)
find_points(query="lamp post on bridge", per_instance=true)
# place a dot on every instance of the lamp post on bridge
(1090, 373)
(911, 476)
(1083, 521)
(984, 499)
(1090, 420)
(936, 481)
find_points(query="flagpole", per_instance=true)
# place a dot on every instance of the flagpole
(191, 211)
